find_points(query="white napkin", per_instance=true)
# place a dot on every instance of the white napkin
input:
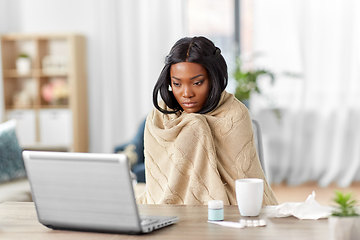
(310, 209)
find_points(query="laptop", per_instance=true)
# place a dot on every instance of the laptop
(86, 192)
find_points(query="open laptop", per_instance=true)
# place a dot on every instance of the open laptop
(86, 192)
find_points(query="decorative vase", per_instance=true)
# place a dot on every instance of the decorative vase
(344, 228)
(23, 65)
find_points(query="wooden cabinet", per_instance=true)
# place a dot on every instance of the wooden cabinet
(45, 90)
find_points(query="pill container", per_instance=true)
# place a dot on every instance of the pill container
(215, 210)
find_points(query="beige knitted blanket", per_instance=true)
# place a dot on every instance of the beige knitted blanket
(193, 158)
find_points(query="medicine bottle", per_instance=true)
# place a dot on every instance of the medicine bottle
(215, 210)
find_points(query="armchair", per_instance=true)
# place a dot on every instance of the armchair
(135, 148)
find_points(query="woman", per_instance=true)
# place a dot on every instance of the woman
(199, 139)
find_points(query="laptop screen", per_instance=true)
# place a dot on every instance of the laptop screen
(82, 191)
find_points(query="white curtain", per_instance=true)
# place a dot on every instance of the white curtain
(8, 23)
(127, 42)
(318, 135)
(134, 38)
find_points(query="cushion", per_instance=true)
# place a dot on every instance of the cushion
(11, 162)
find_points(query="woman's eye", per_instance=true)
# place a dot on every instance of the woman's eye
(198, 83)
(176, 84)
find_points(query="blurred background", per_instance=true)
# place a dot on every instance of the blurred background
(307, 100)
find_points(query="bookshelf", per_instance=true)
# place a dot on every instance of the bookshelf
(47, 92)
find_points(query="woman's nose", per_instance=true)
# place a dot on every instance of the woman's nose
(188, 93)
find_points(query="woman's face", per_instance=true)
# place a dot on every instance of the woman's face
(190, 85)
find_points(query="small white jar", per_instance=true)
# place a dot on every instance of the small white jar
(23, 65)
(215, 210)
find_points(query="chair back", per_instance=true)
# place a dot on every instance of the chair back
(258, 143)
(11, 161)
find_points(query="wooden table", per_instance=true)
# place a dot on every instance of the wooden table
(19, 221)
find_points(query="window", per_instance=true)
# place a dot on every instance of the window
(220, 22)
(215, 20)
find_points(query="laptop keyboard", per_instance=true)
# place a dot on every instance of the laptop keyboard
(147, 221)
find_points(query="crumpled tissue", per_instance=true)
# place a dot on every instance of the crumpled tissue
(310, 209)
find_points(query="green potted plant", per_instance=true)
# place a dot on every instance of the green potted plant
(246, 81)
(344, 222)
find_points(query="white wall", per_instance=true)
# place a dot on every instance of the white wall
(126, 45)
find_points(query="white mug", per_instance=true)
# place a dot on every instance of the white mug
(249, 196)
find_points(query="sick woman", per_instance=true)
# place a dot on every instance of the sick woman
(198, 139)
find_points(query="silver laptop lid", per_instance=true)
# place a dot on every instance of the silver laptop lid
(82, 191)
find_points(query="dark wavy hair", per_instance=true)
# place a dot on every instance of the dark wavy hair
(197, 50)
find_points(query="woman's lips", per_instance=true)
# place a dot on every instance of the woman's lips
(189, 104)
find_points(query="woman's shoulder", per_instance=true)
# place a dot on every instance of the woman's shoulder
(230, 106)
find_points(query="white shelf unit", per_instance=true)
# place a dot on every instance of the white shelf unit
(43, 124)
